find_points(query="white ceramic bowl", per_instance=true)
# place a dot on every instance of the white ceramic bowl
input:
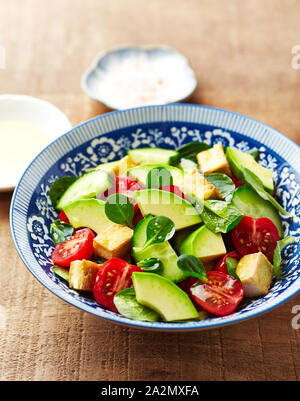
(40, 113)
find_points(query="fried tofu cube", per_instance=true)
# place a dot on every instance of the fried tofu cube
(82, 274)
(213, 161)
(114, 242)
(197, 185)
(118, 167)
(210, 191)
(255, 272)
(125, 164)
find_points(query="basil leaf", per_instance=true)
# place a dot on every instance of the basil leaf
(277, 254)
(159, 177)
(61, 272)
(192, 266)
(254, 153)
(255, 182)
(119, 209)
(190, 150)
(219, 224)
(223, 183)
(60, 231)
(220, 208)
(59, 187)
(151, 265)
(231, 264)
(159, 229)
(128, 306)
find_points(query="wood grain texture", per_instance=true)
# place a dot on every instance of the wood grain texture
(241, 52)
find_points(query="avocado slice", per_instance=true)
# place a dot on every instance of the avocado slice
(163, 296)
(86, 186)
(237, 160)
(163, 251)
(153, 155)
(166, 254)
(88, 213)
(140, 172)
(164, 203)
(251, 204)
(204, 244)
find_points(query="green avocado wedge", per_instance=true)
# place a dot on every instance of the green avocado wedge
(239, 160)
(168, 257)
(88, 213)
(252, 205)
(127, 305)
(140, 173)
(204, 244)
(164, 297)
(85, 187)
(153, 155)
(164, 203)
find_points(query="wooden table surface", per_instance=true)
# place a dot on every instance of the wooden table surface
(242, 54)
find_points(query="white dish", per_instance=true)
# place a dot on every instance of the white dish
(39, 120)
(133, 76)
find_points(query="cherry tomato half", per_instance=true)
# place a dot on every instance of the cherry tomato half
(123, 185)
(222, 266)
(220, 295)
(174, 189)
(78, 247)
(236, 182)
(255, 235)
(63, 217)
(114, 276)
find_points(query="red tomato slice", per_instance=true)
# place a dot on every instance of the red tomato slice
(186, 284)
(236, 182)
(114, 276)
(222, 266)
(255, 235)
(63, 217)
(220, 295)
(123, 185)
(174, 189)
(78, 247)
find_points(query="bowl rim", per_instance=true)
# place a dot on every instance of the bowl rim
(146, 48)
(116, 318)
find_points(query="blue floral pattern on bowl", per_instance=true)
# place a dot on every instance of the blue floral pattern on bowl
(107, 138)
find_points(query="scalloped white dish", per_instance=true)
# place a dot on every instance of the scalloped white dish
(129, 76)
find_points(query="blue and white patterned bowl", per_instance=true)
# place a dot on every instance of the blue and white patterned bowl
(106, 138)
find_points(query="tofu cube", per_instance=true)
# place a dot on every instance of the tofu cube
(82, 274)
(255, 273)
(213, 161)
(210, 191)
(114, 242)
(125, 164)
(196, 184)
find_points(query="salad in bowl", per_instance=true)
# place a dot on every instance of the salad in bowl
(169, 217)
(170, 235)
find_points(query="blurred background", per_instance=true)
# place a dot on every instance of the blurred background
(241, 51)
